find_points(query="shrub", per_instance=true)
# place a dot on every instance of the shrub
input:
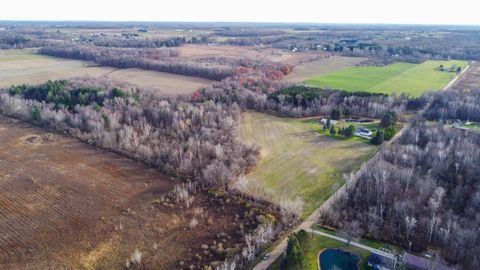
(378, 138)
(388, 119)
(389, 133)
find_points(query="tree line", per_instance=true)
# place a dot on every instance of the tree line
(260, 93)
(193, 140)
(159, 59)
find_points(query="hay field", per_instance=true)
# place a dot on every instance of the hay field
(297, 161)
(413, 79)
(25, 66)
(196, 51)
(322, 66)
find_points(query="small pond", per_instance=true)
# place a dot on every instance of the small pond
(343, 260)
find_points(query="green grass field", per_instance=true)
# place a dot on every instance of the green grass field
(475, 126)
(297, 160)
(413, 79)
(315, 244)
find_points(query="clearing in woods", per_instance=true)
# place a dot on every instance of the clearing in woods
(412, 79)
(25, 66)
(298, 161)
(67, 205)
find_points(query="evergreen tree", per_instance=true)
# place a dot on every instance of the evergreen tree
(349, 131)
(388, 119)
(389, 133)
(378, 138)
(35, 113)
(333, 131)
(336, 114)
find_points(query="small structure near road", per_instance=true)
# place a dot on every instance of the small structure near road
(382, 261)
(324, 121)
(458, 124)
(413, 262)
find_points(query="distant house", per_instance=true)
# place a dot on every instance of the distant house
(323, 121)
(364, 133)
(382, 261)
(413, 262)
(458, 124)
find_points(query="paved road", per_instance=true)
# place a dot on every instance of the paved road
(355, 244)
(313, 218)
(454, 80)
(305, 225)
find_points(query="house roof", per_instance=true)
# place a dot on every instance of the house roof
(423, 263)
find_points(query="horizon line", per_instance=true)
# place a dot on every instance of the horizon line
(246, 22)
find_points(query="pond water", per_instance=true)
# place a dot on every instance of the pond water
(343, 260)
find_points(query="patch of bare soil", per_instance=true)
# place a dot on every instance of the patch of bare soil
(471, 78)
(67, 205)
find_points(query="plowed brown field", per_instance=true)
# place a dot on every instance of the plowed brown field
(67, 205)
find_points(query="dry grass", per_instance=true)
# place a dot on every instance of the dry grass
(24, 66)
(252, 52)
(322, 66)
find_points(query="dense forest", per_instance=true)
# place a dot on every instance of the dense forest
(423, 189)
(193, 140)
(455, 104)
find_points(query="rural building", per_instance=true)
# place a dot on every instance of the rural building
(413, 262)
(458, 124)
(382, 261)
(364, 133)
(332, 122)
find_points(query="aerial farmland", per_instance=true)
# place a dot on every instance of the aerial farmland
(222, 146)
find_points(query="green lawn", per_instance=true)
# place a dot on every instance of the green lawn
(314, 245)
(298, 161)
(413, 79)
(475, 126)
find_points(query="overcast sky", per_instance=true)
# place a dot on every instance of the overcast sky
(331, 11)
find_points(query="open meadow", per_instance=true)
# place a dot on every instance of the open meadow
(298, 161)
(25, 66)
(67, 205)
(412, 79)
